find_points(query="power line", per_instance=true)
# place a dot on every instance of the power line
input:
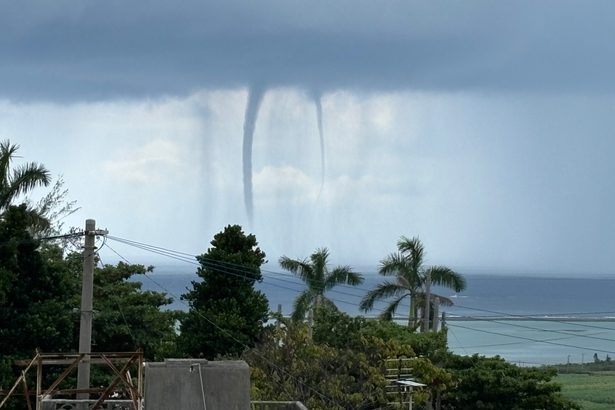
(190, 258)
(530, 339)
(236, 270)
(119, 307)
(243, 271)
(480, 319)
(509, 343)
(540, 318)
(199, 313)
(232, 269)
(186, 257)
(240, 268)
(63, 236)
(458, 342)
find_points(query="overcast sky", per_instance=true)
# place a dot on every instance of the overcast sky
(483, 127)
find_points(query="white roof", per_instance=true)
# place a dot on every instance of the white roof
(410, 383)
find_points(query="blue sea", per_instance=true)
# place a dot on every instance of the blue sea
(526, 320)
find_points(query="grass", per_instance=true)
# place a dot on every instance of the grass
(593, 390)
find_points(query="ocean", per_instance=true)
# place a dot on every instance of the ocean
(526, 320)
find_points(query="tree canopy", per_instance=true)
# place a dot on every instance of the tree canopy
(410, 273)
(15, 181)
(128, 318)
(226, 313)
(494, 384)
(345, 366)
(318, 279)
(38, 291)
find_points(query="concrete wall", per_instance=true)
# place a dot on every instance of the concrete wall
(66, 404)
(278, 405)
(176, 384)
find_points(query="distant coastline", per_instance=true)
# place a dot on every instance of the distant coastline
(531, 320)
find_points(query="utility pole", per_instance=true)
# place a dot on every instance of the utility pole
(87, 287)
(444, 323)
(436, 314)
(426, 312)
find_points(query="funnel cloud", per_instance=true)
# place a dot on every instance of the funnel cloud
(485, 127)
(321, 135)
(84, 50)
(255, 98)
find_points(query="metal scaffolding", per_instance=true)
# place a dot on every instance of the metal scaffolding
(121, 391)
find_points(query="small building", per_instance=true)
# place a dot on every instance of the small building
(197, 384)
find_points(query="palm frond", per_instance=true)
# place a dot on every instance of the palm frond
(388, 313)
(301, 306)
(328, 303)
(7, 153)
(30, 175)
(343, 275)
(320, 256)
(382, 291)
(407, 265)
(419, 297)
(318, 262)
(413, 249)
(400, 265)
(24, 178)
(444, 301)
(394, 264)
(443, 276)
(301, 269)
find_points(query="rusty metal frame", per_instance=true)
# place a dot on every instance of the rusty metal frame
(20, 379)
(26, 392)
(123, 376)
(109, 360)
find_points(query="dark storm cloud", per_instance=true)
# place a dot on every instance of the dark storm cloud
(68, 50)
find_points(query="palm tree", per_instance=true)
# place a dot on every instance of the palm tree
(411, 275)
(18, 180)
(319, 279)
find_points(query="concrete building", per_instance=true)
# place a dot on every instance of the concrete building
(193, 384)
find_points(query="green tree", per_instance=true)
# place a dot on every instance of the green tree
(338, 329)
(494, 384)
(318, 279)
(343, 367)
(128, 318)
(52, 209)
(19, 180)
(286, 366)
(407, 266)
(38, 294)
(226, 312)
(381, 340)
(40, 285)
